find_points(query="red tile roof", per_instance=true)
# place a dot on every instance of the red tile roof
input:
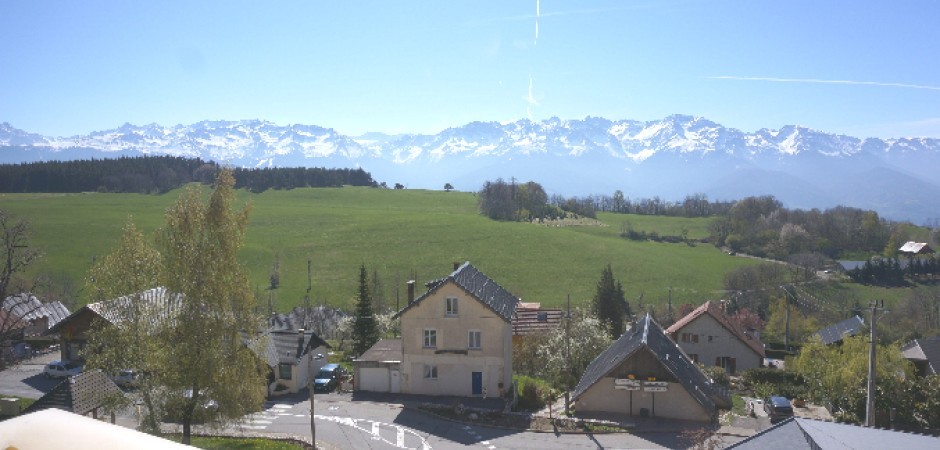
(714, 310)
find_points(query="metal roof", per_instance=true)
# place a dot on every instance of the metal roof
(915, 248)
(28, 308)
(798, 433)
(835, 333)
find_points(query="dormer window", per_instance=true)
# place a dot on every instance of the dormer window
(450, 309)
(542, 316)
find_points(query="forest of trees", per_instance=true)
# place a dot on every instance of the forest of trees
(159, 174)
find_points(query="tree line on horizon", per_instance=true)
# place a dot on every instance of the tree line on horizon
(160, 174)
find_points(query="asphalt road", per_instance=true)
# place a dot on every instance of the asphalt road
(347, 424)
(361, 424)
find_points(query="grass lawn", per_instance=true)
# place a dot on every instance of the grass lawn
(225, 443)
(402, 234)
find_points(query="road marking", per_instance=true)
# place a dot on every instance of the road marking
(254, 427)
(374, 429)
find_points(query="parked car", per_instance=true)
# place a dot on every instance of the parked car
(778, 408)
(328, 378)
(59, 369)
(127, 378)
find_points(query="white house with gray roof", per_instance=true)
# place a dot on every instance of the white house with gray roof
(457, 337)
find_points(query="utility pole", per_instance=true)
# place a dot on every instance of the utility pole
(307, 299)
(875, 305)
(310, 375)
(568, 359)
(670, 305)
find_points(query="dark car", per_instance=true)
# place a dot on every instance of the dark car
(778, 408)
(328, 378)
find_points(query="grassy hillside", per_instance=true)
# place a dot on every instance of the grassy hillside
(397, 232)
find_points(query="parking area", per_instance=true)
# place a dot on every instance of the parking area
(26, 379)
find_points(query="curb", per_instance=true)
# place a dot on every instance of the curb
(500, 427)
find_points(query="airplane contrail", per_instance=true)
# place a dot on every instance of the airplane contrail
(536, 22)
(818, 81)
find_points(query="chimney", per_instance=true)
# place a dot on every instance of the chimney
(456, 265)
(411, 291)
(300, 342)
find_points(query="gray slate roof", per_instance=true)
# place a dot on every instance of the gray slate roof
(648, 334)
(835, 333)
(479, 286)
(927, 350)
(799, 433)
(283, 347)
(79, 394)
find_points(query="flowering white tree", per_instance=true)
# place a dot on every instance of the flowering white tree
(587, 338)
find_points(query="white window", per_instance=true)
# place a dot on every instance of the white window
(451, 308)
(430, 338)
(474, 340)
(430, 372)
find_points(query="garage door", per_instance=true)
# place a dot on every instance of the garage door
(373, 379)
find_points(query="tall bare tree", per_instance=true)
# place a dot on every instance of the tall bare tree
(16, 252)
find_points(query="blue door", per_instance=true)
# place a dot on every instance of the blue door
(476, 379)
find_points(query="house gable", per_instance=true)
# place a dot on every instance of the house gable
(649, 338)
(478, 286)
(715, 323)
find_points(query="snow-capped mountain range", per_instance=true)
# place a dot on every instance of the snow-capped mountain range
(669, 158)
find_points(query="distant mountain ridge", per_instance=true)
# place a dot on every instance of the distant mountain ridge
(670, 158)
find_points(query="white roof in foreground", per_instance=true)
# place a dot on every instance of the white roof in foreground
(74, 432)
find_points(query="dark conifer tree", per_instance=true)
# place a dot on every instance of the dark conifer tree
(609, 304)
(365, 332)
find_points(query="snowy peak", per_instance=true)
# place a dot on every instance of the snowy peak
(258, 142)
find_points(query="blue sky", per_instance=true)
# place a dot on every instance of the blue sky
(855, 67)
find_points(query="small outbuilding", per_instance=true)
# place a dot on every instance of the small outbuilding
(644, 373)
(379, 368)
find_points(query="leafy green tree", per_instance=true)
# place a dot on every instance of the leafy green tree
(839, 373)
(365, 332)
(132, 342)
(448, 187)
(197, 353)
(610, 305)
(210, 360)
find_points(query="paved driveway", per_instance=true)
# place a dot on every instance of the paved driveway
(26, 379)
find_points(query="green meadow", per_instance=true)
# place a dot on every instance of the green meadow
(399, 234)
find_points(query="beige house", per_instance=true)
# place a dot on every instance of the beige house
(457, 337)
(644, 373)
(293, 357)
(708, 337)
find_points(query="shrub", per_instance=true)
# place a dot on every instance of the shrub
(533, 392)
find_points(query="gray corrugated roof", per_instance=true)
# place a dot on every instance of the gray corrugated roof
(798, 433)
(479, 286)
(648, 334)
(835, 333)
(29, 308)
(157, 305)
